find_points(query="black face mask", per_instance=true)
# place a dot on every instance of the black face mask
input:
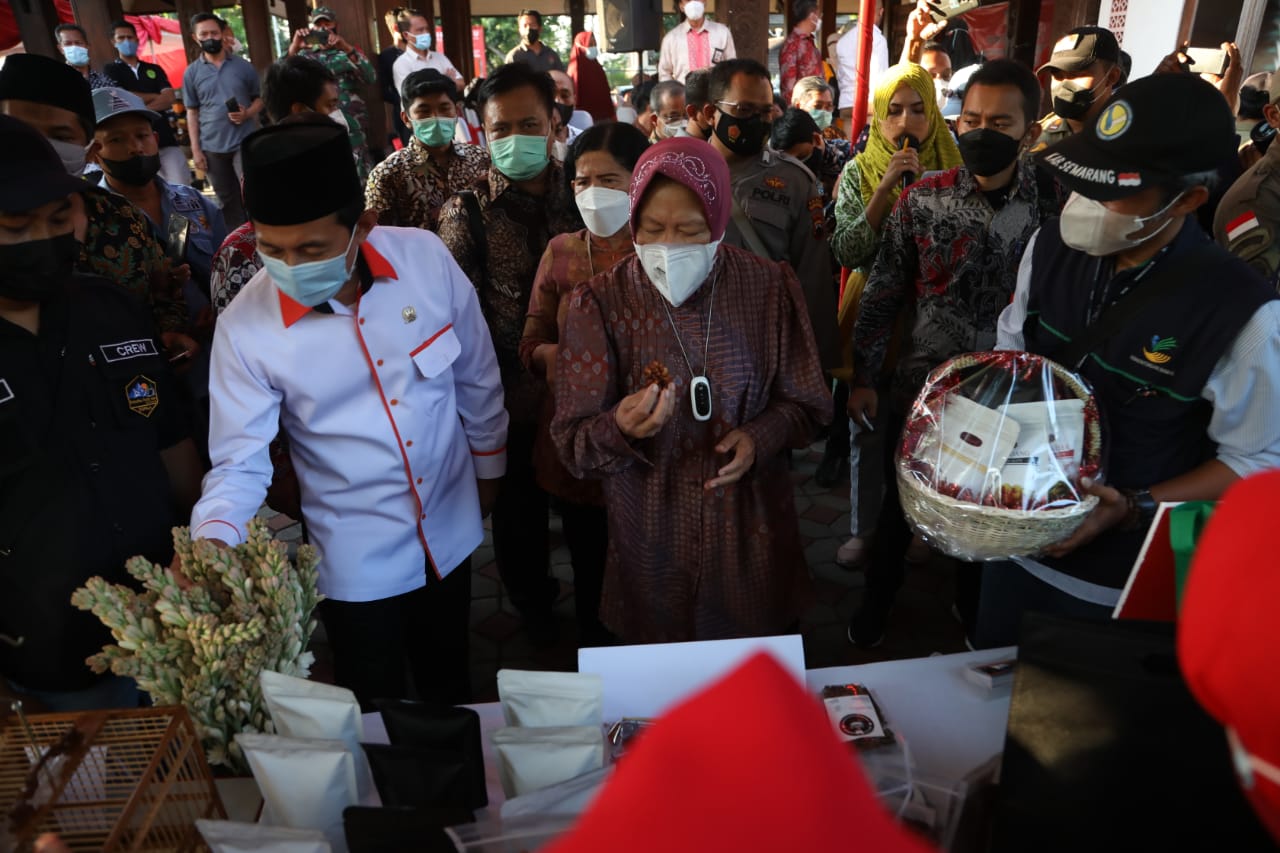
(137, 171)
(742, 136)
(566, 112)
(1070, 99)
(211, 45)
(987, 152)
(815, 161)
(38, 269)
(534, 34)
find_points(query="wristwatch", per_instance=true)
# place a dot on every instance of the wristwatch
(1142, 509)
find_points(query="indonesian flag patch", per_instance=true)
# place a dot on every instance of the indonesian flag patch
(1241, 225)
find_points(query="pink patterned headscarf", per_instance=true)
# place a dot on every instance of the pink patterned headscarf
(696, 165)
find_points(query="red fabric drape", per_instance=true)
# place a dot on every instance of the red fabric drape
(9, 36)
(590, 80)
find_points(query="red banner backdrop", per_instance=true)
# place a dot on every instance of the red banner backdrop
(989, 26)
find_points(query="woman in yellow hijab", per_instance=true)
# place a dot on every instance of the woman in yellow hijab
(905, 105)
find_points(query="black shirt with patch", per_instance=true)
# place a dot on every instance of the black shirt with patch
(86, 406)
(149, 79)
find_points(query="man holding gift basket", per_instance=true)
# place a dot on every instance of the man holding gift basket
(1115, 289)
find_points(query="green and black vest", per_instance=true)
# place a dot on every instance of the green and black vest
(1147, 378)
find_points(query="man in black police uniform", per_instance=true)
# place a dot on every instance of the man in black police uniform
(1179, 338)
(95, 463)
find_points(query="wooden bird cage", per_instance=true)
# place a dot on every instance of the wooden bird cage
(105, 781)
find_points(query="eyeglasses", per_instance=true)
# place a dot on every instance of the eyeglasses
(747, 111)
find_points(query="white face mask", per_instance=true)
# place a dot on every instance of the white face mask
(1090, 227)
(604, 211)
(560, 150)
(340, 120)
(677, 270)
(671, 129)
(695, 10)
(941, 91)
(72, 156)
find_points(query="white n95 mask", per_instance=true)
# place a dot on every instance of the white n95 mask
(677, 270)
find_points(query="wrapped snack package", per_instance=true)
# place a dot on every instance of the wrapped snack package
(993, 453)
(530, 759)
(305, 783)
(419, 778)
(569, 798)
(551, 698)
(309, 709)
(424, 725)
(227, 836)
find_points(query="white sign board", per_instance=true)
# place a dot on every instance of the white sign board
(643, 681)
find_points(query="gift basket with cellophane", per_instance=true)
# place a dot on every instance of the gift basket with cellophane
(993, 452)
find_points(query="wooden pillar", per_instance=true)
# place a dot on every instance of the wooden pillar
(577, 15)
(355, 22)
(36, 20)
(257, 34)
(1024, 26)
(185, 9)
(95, 16)
(748, 20)
(455, 21)
(296, 11)
(829, 12)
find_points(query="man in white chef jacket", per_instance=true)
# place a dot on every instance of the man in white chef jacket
(367, 345)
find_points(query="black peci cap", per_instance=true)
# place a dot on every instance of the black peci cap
(1081, 47)
(41, 80)
(295, 173)
(1150, 132)
(31, 172)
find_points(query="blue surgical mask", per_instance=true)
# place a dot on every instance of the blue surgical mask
(76, 55)
(434, 132)
(822, 118)
(312, 283)
(518, 156)
(593, 52)
(422, 41)
(128, 47)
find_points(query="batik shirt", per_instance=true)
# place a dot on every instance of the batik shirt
(409, 187)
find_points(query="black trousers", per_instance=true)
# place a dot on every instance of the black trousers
(427, 628)
(521, 541)
(586, 533)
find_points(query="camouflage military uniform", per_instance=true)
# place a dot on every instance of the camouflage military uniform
(1247, 222)
(355, 73)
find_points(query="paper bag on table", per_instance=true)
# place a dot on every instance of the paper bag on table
(309, 709)
(530, 759)
(305, 782)
(227, 836)
(532, 698)
(424, 725)
(419, 778)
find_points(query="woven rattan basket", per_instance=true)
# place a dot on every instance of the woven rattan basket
(981, 532)
(105, 781)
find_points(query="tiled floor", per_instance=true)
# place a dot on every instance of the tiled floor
(921, 622)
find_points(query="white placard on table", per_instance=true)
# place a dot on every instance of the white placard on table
(643, 681)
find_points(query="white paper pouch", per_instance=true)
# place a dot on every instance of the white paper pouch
(569, 798)
(305, 782)
(228, 836)
(972, 447)
(530, 759)
(309, 709)
(532, 698)
(1045, 462)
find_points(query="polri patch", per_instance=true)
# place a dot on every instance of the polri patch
(125, 350)
(6, 393)
(775, 183)
(142, 395)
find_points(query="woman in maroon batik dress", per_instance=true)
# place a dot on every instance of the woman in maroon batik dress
(703, 537)
(598, 169)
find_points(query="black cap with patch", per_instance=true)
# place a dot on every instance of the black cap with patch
(1081, 47)
(1151, 132)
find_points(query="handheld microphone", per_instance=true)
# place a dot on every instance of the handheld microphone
(907, 140)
